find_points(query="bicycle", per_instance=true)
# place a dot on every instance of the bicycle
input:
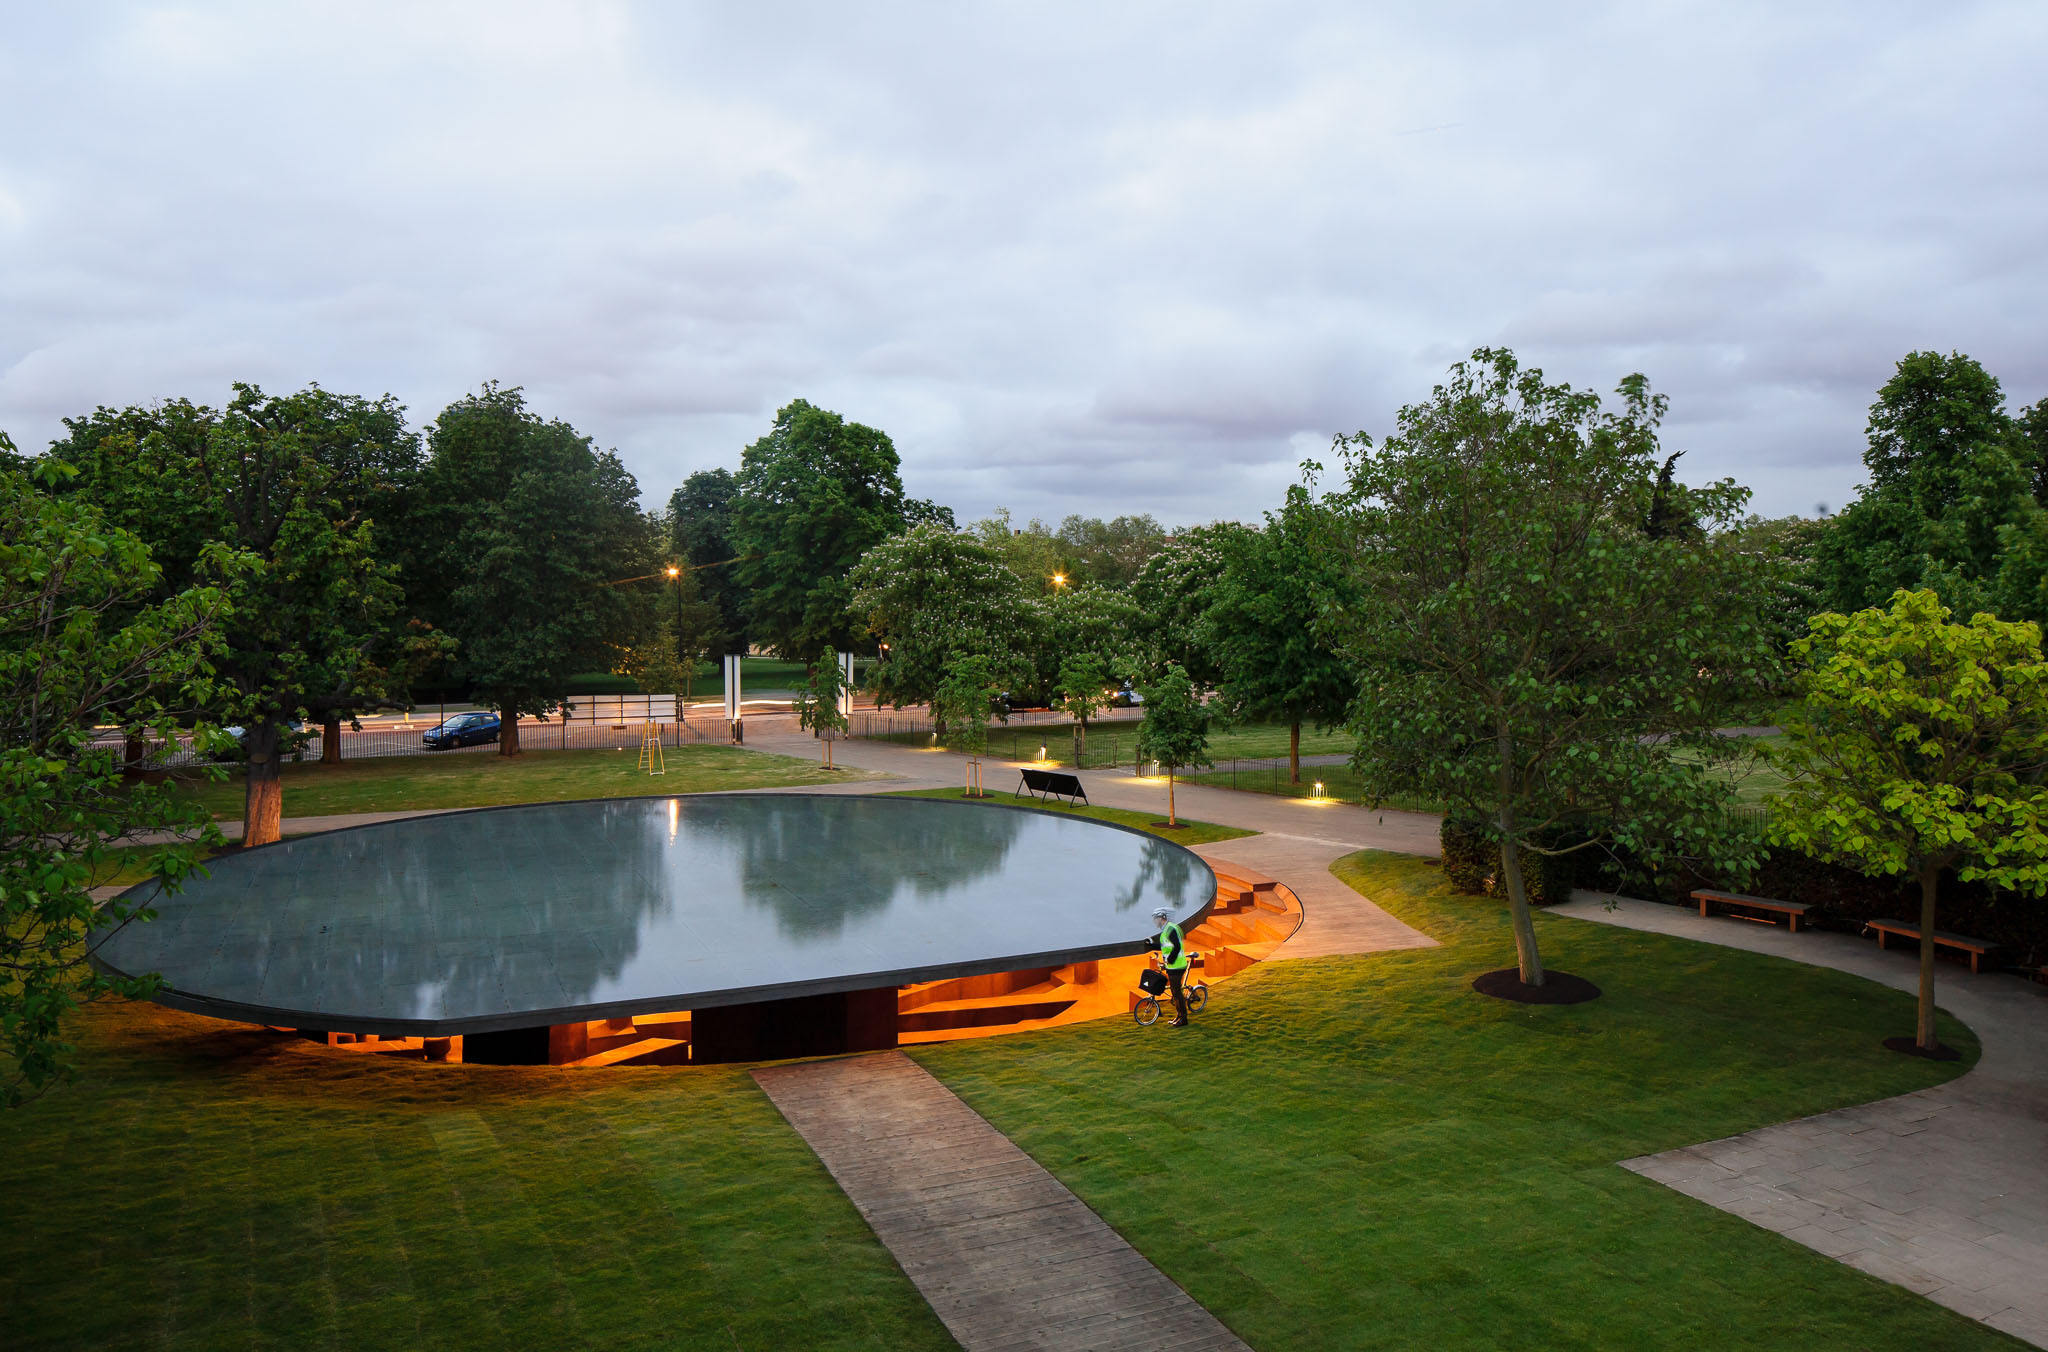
(1152, 981)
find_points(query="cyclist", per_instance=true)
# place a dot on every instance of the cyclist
(1173, 956)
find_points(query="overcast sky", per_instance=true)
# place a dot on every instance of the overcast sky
(1097, 258)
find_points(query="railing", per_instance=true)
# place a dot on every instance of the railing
(616, 725)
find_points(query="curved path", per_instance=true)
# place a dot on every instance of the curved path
(1943, 1191)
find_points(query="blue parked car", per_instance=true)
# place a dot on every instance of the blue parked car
(462, 730)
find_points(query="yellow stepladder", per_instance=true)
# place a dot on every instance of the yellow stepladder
(650, 749)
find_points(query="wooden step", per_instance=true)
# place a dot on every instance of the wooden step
(931, 1019)
(648, 1051)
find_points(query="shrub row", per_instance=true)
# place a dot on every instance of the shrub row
(1471, 861)
(1842, 899)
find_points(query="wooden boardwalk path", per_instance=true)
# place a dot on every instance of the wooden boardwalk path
(1008, 1258)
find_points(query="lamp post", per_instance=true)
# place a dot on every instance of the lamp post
(675, 575)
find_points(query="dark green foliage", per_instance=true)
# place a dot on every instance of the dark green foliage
(1262, 626)
(928, 595)
(1470, 856)
(1172, 591)
(1108, 553)
(84, 641)
(526, 529)
(1950, 495)
(302, 484)
(1526, 653)
(1471, 863)
(700, 535)
(814, 495)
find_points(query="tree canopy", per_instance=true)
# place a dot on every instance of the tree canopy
(298, 483)
(535, 551)
(1526, 652)
(928, 595)
(1919, 747)
(1175, 732)
(813, 496)
(1950, 487)
(1262, 624)
(86, 639)
(700, 537)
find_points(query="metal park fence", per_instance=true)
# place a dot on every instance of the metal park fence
(593, 723)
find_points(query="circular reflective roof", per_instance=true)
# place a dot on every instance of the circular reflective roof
(512, 917)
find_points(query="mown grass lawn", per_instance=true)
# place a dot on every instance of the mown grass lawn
(411, 783)
(1363, 1153)
(1188, 833)
(1351, 1152)
(210, 1186)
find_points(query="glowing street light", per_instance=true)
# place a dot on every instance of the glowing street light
(1059, 579)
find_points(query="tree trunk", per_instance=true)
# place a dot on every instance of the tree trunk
(263, 792)
(1930, 882)
(1294, 752)
(1171, 820)
(508, 726)
(132, 750)
(1526, 957)
(330, 740)
(1080, 740)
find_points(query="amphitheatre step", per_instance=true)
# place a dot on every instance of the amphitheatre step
(933, 1019)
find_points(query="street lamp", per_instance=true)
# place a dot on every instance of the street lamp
(1059, 579)
(675, 575)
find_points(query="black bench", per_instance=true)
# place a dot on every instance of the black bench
(1978, 949)
(1044, 784)
(1792, 910)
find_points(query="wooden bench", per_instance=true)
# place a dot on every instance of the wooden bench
(1044, 784)
(1791, 910)
(1978, 949)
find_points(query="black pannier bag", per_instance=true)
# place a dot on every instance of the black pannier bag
(1152, 981)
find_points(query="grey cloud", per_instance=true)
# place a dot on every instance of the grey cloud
(1072, 259)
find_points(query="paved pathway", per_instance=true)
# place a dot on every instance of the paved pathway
(1334, 919)
(1943, 1191)
(1006, 1255)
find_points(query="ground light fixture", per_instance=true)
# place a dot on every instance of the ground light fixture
(1319, 788)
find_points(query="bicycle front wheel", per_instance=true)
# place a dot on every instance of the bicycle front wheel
(1146, 1012)
(1198, 996)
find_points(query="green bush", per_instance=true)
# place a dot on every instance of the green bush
(1470, 857)
(1472, 863)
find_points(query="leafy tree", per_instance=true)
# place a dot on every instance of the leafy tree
(1920, 747)
(1172, 592)
(814, 495)
(817, 704)
(1262, 624)
(1526, 653)
(1175, 732)
(1083, 690)
(1030, 551)
(700, 536)
(1788, 549)
(927, 595)
(531, 530)
(966, 698)
(1948, 484)
(84, 642)
(298, 483)
(1080, 620)
(2030, 440)
(1109, 553)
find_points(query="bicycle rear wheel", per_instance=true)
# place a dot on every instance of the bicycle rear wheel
(1146, 1012)
(1198, 996)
